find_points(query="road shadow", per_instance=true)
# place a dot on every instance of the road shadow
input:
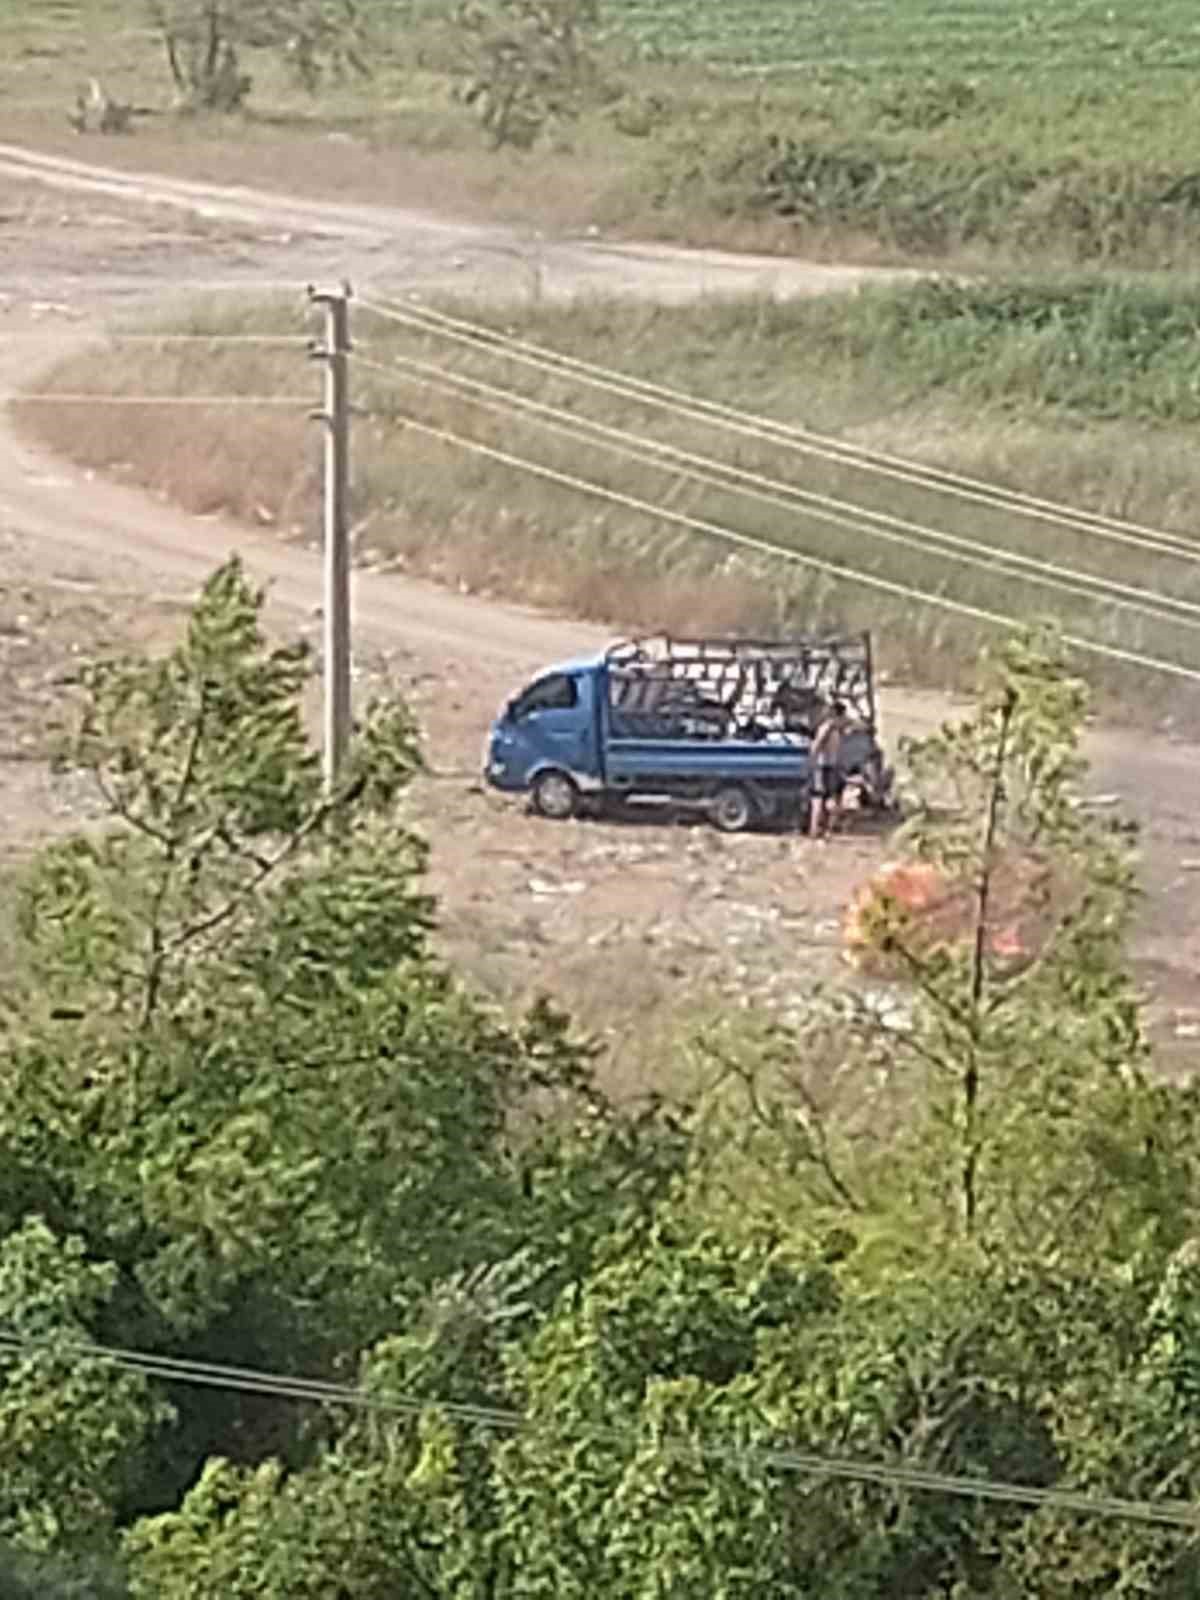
(638, 816)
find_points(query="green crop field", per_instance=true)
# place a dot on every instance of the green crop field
(1011, 130)
(830, 36)
(959, 35)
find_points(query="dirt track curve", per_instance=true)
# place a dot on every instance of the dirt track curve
(420, 248)
(50, 513)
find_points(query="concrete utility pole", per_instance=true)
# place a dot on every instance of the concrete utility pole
(336, 417)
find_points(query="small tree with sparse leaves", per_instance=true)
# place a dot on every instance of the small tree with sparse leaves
(207, 43)
(529, 63)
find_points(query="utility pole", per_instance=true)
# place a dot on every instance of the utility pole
(336, 417)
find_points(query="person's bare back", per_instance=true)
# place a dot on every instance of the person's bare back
(828, 780)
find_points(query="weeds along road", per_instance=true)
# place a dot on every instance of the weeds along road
(50, 512)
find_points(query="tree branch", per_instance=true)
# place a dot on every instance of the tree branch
(816, 1142)
(120, 808)
(267, 865)
(157, 958)
(991, 825)
(822, 1155)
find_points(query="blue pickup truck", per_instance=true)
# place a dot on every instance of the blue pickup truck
(724, 726)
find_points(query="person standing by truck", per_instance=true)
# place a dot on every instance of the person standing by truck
(828, 779)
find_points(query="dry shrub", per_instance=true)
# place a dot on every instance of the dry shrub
(207, 461)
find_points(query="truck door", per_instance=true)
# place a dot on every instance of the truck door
(554, 720)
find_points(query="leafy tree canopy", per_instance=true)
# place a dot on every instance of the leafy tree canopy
(235, 1070)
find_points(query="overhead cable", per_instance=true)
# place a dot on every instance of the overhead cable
(812, 1464)
(770, 491)
(778, 552)
(802, 440)
(213, 401)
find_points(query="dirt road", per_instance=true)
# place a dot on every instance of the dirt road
(590, 901)
(419, 250)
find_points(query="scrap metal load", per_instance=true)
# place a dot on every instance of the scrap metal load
(750, 690)
(737, 689)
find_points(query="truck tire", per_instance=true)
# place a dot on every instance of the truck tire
(732, 809)
(555, 795)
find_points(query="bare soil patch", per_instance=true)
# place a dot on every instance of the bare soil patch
(50, 625)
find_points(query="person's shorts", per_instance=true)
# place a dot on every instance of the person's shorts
(828, 782)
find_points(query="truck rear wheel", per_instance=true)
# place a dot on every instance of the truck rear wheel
(732, 809)
(555, 795)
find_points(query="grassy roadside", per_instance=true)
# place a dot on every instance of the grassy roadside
(1078, 390)
(902, 132)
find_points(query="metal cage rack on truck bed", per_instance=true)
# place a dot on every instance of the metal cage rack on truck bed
(738, 689)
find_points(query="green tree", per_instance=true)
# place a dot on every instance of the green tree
(667, 1301)
(396, 1504)
(207, 42)
(26, 1577)
(1126, 1421)
(607, 1489)
(427, 1505)
(234, 1067)
(69, 1421)
(528, 63)
(997, 1176)
(1036, 1015)
(202, 762)
(1015, 1052)
(345, 1526)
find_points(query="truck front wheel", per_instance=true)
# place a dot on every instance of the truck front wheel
(554, 795)
(732, 810)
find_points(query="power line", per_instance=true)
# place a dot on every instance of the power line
(214, 401)
(842, 514)
(802, 440)
(32, 336)
(780, 552)
(760, 545)
(825, 508)
(244, 1380)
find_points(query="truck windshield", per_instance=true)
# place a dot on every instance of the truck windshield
(556, 693)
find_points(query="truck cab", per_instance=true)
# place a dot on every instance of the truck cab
(545, 742)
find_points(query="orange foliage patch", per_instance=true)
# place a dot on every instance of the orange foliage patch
(925, 909)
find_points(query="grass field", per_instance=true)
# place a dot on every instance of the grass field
(983, 133)
(1080, 391)
(900, 36)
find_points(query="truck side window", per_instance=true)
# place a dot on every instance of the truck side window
(558, 693)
